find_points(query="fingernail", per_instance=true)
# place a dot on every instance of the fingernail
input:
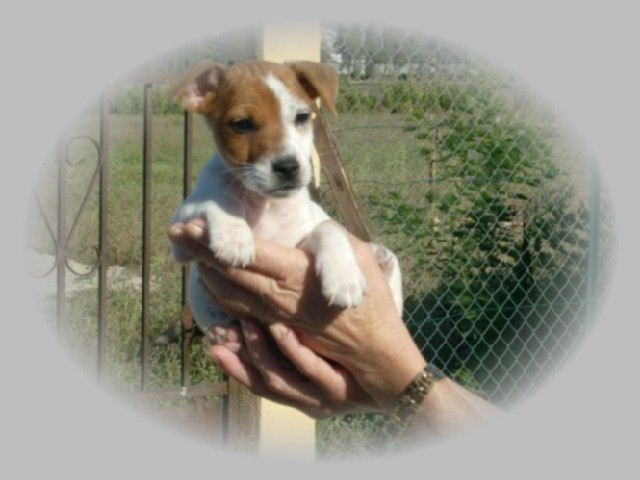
(218, 330)
(248, 329)
(196, 232)
(176, 229)
(216, 335)
(234, 347)
(278, 330)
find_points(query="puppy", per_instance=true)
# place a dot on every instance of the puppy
(255, 185)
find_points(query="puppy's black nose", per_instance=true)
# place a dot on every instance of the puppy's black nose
(285, 168)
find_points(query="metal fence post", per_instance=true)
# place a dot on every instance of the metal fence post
(102, 236)
(593, 253)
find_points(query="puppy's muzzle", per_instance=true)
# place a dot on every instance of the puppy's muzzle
(286, 169)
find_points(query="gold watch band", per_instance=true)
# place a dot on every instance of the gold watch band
(411, 398)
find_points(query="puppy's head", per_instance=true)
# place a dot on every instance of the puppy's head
(260, 114)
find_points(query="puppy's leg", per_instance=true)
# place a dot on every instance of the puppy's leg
(230, 238)
(343, 284)
(204, 311)
(389, 265)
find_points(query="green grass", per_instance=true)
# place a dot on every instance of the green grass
(124, 245)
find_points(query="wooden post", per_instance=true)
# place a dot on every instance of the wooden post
(290, 42)
(285, 431)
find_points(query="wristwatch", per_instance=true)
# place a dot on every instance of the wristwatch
(411, 398)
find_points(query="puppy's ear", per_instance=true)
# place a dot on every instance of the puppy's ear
(196, 89)
(319, 81)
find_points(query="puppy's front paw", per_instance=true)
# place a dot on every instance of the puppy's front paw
(343, 284)
(232, 242)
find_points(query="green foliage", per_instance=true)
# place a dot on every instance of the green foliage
(500, 234)
(353, 99)
(398, 97)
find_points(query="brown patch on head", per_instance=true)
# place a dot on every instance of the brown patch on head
(242, 110)
(245, 119)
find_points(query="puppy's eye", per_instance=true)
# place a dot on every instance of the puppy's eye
(302, 118)
(242, 126)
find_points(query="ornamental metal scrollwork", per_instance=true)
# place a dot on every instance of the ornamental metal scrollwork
(67, 158)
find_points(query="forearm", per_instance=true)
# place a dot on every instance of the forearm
(445, 410)
(432, 405)
(483, 408)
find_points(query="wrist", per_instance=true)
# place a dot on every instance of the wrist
(407, 404)
(400, 369)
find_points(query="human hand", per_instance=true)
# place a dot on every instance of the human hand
(305, 381)
(281, 287)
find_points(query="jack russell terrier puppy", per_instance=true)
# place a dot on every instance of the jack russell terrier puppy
(261, 114)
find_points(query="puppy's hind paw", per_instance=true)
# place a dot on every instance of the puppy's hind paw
(387, 260)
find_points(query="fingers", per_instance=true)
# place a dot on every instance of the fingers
(275, 277)
(192, 237)
(279, 287)
(277, 377)
(241, 368)
(233, 298)
(336, 383)
(227, 336)
(233, 365)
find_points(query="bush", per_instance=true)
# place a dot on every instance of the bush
(499, 233)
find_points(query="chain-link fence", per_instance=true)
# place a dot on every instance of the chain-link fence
(492, 206)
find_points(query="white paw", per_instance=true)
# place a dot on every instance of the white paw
(343, 284)
(232, 242)
(388, 263)
(386, 258)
